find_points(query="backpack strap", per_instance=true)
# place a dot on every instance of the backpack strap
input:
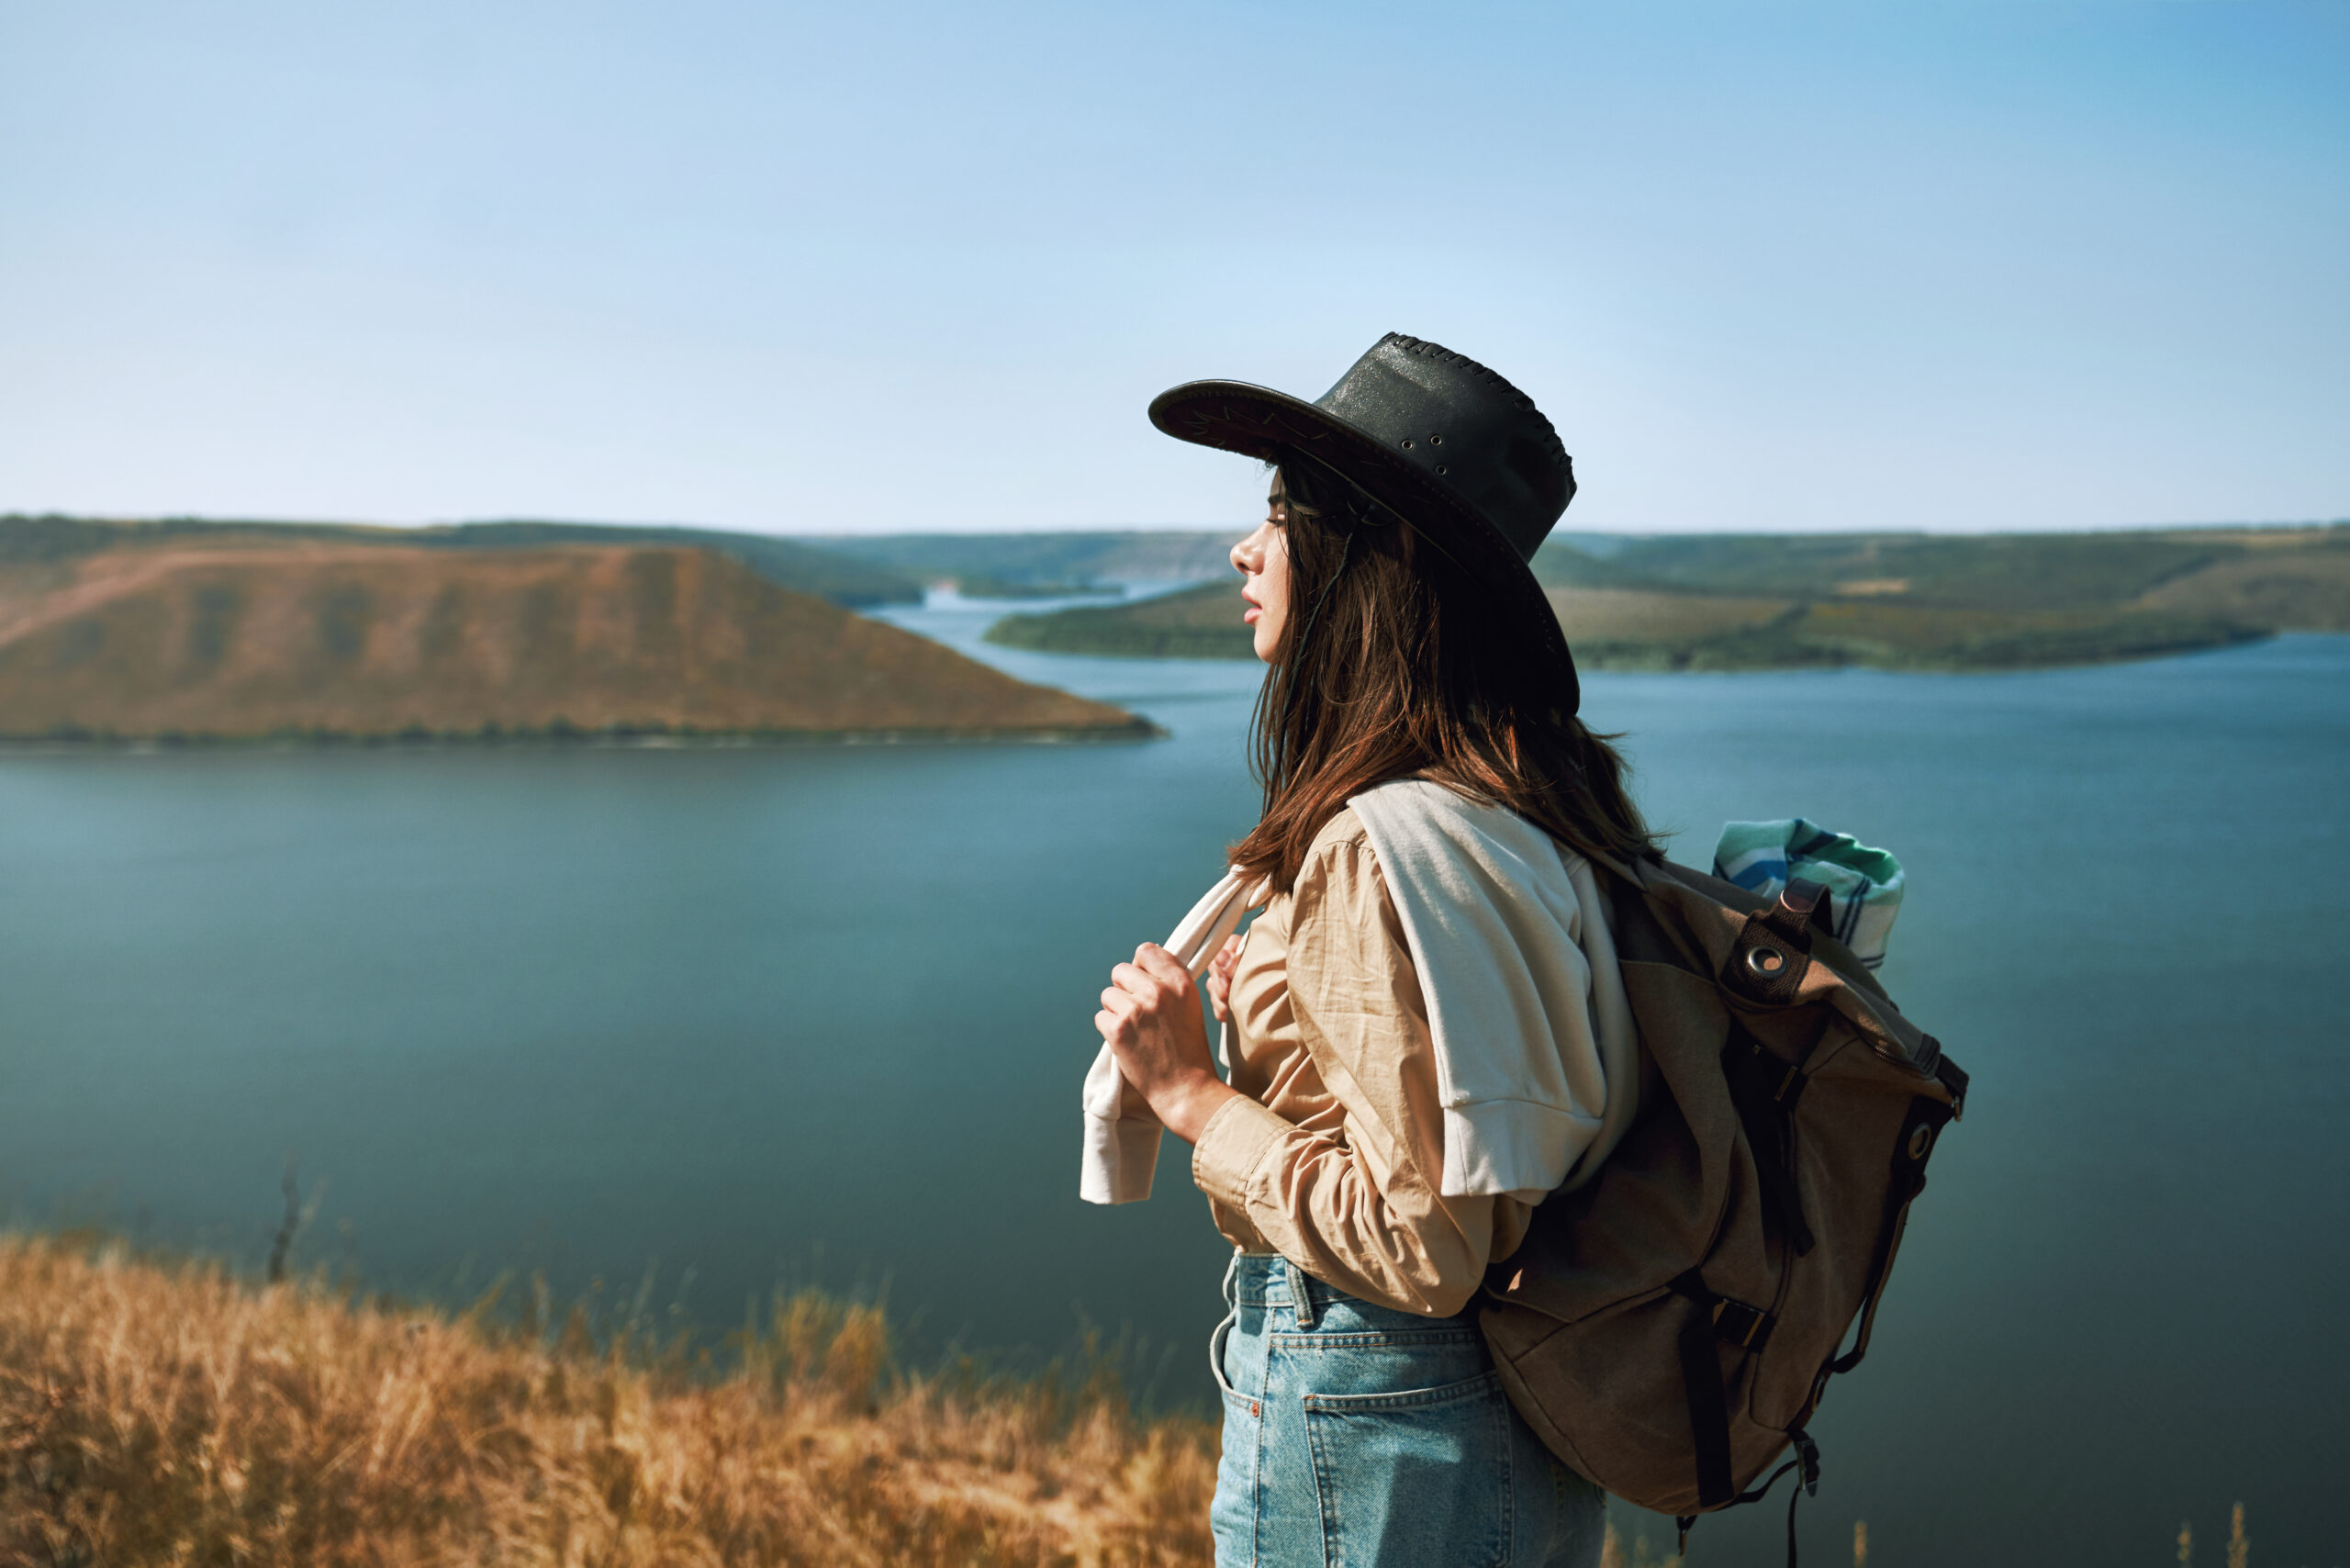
(1806, 1462)
(1701, 1378)
(1764, 1090)
(1951, 1077)
(1921, 1129)
(1717, 1319)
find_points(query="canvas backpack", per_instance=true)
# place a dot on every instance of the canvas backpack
(1668, 1328)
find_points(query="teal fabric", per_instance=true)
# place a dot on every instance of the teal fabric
(1357, 1435)
(1864, 886)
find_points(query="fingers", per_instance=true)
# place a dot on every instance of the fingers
(1151, 984)
(1160, 964)
(1220, 969)
(1149, 995)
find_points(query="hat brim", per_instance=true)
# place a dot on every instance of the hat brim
(1260, 422)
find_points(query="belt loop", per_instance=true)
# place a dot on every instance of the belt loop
(1298, 1294)
(1232, 1279)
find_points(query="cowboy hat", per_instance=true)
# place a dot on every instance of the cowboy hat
(1459, 453)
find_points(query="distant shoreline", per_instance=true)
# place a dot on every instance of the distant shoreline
(1881, 601)
(545, 740)
(1756, 655)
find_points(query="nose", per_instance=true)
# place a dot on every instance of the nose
(1247, 557)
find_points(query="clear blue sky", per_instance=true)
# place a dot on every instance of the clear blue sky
(869, 266)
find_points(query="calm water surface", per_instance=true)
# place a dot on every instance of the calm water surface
(793, 1013)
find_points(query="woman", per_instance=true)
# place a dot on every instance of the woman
(1426, 1031)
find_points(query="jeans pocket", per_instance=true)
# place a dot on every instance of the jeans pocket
(1421, 1477)
(1220, 1338)
(1232, 1511)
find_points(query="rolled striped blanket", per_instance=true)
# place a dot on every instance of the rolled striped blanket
(1864, 885)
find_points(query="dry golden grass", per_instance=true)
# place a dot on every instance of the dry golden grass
(1612, 1553)
(166, 1413)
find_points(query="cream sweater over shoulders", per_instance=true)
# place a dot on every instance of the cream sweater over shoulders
(1430, 1036)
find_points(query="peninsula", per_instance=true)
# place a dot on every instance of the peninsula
(1895, 601)
(253, 635)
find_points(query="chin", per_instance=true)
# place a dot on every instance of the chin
(1264, 645)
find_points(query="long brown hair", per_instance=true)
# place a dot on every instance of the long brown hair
(1394, 663)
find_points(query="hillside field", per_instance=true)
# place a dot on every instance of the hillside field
(241, 638)
(1898, 601)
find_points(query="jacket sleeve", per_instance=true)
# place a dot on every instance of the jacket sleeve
(1358, 1206)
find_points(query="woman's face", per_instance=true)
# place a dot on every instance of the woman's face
(1263, 559)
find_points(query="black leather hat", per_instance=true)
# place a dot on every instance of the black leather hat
(1447, 444)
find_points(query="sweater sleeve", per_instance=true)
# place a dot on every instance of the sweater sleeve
(1356, 1205)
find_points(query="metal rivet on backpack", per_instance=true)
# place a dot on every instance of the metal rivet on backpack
(1442, 469)
(1766, 961)
(1436, 441)
(1407, 442)
(1920, 1139)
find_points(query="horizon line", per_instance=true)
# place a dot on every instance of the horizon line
(2240, 526)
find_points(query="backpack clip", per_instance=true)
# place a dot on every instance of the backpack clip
(1748, 1328)
(1808, 1452)
(1773, 951)
(1801, 906)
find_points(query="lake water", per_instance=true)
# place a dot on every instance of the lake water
(802, 1013)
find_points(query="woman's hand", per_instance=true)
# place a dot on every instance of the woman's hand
(1220, 976)
(1150, 1016)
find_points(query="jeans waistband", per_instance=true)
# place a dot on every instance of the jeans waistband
(1267, 1279)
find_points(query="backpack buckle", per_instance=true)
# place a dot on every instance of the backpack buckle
(1802, 906)
(1774, 949)
(1748, 1328)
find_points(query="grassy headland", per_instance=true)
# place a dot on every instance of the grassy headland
(219, 636)
(1901, 601)
(155, 1413)
(1201, 623)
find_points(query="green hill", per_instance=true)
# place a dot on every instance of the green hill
(2015, 571)
(1904, 601)
(1201, 623)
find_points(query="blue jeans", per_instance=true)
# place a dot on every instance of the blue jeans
(1356, 1436)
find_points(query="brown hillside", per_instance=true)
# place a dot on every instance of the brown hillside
(252, 640)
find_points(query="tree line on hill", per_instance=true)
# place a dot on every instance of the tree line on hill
(1892, 601)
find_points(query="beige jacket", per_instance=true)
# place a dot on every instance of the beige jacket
(1334, 1155)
